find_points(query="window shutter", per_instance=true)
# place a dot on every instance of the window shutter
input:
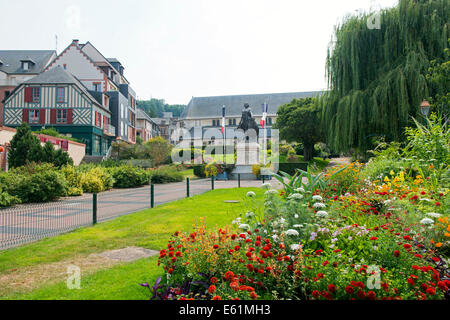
(42, 116)
(28, 94)
(69, 116)
(25, 115)
(53, 116)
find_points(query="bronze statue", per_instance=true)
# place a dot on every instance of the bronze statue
(247, 121)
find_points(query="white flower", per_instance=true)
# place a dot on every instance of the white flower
(275, 237)
(282, 220)
(271, 191)
(296, 216)
(299, 226)
(266, 186)
(427, 221)
(251, 194)
(313, 236)
(300, 190)
(244, 226)
(296, 196)
(292, 232)
(249, 214)
(425, 199)
(322, 214)
(319, 205)
(434, 214)
(295, 247)
(317, 198)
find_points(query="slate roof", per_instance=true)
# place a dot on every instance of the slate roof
(211, 107)
(141, 114)
(12, 60)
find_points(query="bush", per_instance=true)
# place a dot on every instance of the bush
(43, 186)
(7, 200)
(128, 177)
(199, 170)
(96, 179)
(166, 174)
(290, 167)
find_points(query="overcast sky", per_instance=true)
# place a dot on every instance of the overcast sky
(176, 49)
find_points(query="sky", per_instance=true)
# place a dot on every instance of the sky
(177, 49)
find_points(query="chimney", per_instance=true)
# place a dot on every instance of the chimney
(75, 42)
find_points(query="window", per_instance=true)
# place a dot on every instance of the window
(230, 122)
(234, 122)
(60, 95)
(97, 87)
(25, 66)
(36, 95)
(61, 116)
(270, 121)
(33, 116)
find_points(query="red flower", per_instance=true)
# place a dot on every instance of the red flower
(396, 253)
(315, 294)
(437, 204)
(435, 259)
(374, 238)
(411, 281)
(170, 270)
(212, 289)
(361, 294)
(253, 295)
(407, 238)
(320, 275)
(407, 246)
(250, 267)
(228, 275)
(325, 263)
(217, 298)
(237, 248)
(431, 291)
(332, 288)
(418, 255)
(213, 280)
(371, 295)
(349, 289)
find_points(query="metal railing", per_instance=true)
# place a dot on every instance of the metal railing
(27, 223)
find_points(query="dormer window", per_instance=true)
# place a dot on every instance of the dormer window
(26, 64)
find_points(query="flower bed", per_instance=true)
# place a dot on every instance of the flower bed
(343, 235)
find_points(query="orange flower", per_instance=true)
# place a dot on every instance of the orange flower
(439, 244)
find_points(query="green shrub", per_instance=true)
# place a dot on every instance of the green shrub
(128, 177)
(199, 170)
(95, 179)
(43, 186)
(166, 174)
(290, 167)
(7, 200)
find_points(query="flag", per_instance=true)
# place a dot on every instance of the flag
(265, 108)
(223, 120)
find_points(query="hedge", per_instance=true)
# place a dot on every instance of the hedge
(289, 167)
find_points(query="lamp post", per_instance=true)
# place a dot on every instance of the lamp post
(118, 150)
(425, 108)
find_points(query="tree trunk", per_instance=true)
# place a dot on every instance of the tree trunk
(308, 151)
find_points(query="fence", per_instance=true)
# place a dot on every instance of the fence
(28, 223)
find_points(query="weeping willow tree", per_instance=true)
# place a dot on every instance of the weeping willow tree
(377, 77)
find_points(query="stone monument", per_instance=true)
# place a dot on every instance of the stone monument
(247, 148)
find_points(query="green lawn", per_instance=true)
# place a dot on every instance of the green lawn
(149, 228)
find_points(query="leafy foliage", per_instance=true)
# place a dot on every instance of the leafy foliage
(299, 120)
(377, 77)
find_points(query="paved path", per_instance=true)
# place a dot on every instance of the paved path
(28, 223)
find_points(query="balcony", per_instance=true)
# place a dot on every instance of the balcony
(109, 130)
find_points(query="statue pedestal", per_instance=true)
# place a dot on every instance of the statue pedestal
(247, 154)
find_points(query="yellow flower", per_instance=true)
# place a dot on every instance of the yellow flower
(392, 173)
(386, 179)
